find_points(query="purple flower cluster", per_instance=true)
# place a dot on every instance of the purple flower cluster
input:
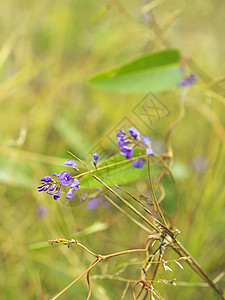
(63, 179)
(188, 80)
(131, 139)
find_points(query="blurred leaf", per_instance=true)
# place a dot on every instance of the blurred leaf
(154, 72)
(71, 135)
(15, 173)
(88, 231)
(180, 170)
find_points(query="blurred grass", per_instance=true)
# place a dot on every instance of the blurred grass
(48, 50)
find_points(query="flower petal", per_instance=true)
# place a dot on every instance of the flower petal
(70, 194)
(71, 163)
(138, 163)
(65, 178)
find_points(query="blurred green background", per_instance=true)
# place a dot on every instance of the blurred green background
(48, 50)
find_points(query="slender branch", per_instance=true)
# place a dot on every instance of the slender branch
(139, 202)
(68, 242)
(158, 209)
(119, 197)
(124, 212)
(77, 279)
(88, 280)
(124, 252)
(107, 166)
(180, 117)
(167, 169)
(178, 247)
(173, 281)
(197, 268)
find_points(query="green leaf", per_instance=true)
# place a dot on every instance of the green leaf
(153, 72)
(116, 169)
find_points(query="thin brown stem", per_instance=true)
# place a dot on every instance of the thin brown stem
(176, 245)
(77, 279)
(124, 212)
(197, 268)
(157, 206)
(119, 197)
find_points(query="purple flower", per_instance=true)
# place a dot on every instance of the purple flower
(55, 195)
(42, 211)
(42, 188)
(65, 178)
(188, 81)
(134, 133)
(52, 187)
(146, 141)
(149, 151)
(47, 179)
(95, 201)
(121, 133)
(138, 163)
(46, 184)
(127, 151)
(95, 157)
(55, 174)
(75, 184)
(71, 163)
(70, 194)
(123, 141)
(92, 203)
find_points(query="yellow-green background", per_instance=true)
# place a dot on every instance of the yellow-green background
(48, 50)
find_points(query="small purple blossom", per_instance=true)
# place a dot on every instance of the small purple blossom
(122, 141)
(127, 151)
(146, 141)
(134, 133)
(149, 151)
(47, 179)
(55, 195)
(70, 194)
(188, 80)
(138, 163)
(129, 141)
(55, 174)
(44, 188)
(65, 178)
(52, 187)
(121, 133)
(42, 211)
(92, 203)
(95, 157)
(45, 184)
(71, 163)
(75, 184)
(95, 201)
